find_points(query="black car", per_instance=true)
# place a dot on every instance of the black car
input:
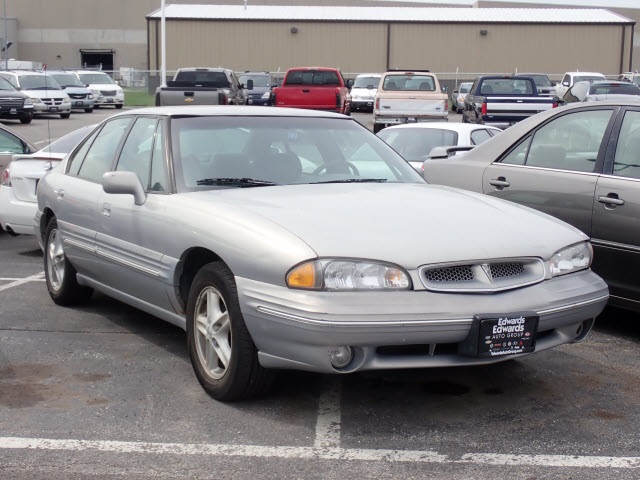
(14, 104)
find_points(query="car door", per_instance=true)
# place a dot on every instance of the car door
(555, 168)
(616, 212)
(131, 238)
(77, 194)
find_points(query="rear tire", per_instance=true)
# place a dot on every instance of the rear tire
(377, 127)
(25, 120)
(88, 110)
(60, 275)
(119, 106)
(223, 355)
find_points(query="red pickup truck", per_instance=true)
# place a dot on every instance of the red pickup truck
(317, 88)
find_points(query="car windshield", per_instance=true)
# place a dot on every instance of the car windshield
(5, 85)
(213, 152)
(67, 79)
(614, 89)
(258, 80)
(95, 78)
(366, 82)
(38, 82)
(465, 87)
(414, 144)
(66, 143)
(541, 80)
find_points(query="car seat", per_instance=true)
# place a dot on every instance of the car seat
(230, 165)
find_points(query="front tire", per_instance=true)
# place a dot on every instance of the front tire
(65, 115)
(59, 274)
(88, 110)
(119, 106)
(26, 119)
(223, 355)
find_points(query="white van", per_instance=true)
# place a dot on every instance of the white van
(46, 94)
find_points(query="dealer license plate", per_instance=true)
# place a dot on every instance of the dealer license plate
(507, 335)
(79, 103)
(110, 100)
(53, 109)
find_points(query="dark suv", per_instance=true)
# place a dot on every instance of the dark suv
(262, 82)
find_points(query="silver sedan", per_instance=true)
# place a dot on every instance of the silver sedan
(579, 163)
(283, 238)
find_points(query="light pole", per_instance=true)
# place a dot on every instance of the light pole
(5, 55)
(163, 47)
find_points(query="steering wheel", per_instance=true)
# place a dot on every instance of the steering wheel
(352, 168)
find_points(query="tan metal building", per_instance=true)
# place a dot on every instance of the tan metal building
(351, 34)
(375, 38)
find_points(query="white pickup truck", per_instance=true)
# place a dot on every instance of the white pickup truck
(570, 78)
(407, 96)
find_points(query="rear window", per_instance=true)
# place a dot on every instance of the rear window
(614, 89)
(506, 86)
(312, 77)
(366, 82)
(409, 82)
(203, 79)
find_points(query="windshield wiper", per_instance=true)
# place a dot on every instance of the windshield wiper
(355, 180)
(240, 182)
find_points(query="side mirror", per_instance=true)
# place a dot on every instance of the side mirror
(438, 153)
(565, 84)
(249, 84)
(124, 183)
(350, 83)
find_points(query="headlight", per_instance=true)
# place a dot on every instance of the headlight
(96, 92)
(571, 259)
(266, 95)
(28, 101)
(90, 96)
(36, 100)
(339, 274)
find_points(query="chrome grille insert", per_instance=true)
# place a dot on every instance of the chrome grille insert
(482, 276)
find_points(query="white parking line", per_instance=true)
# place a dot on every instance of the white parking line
(328, 423)
(39, 277)
(413, 456)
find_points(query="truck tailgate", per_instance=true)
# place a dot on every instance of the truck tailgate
(411, 107)
(170, 96)
(517, 106)
(305, 97)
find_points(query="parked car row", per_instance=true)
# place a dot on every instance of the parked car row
(28, 93)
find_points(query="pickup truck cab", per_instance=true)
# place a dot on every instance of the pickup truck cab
(407, 96)
(317, 88)
(503, 100)
(569, 79)
(202, 86)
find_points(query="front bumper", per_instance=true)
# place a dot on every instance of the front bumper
(296, 329)
(43, 109)
(16, 215)
(362, 104)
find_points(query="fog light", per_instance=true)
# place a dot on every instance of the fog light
(340, 356)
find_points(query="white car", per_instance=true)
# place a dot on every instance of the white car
(363, 92)
(458, 96)
(105, 91)
(20, 181)
(414, 141)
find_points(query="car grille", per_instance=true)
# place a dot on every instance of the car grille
(52, 101)
(482, 276)
(11, 102)
(108, 93)
(77, 96)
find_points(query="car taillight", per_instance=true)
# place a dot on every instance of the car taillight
(484, 108)
(446, 105)
(555, 105)
(6, 178)
(377, 104)
(222, 98)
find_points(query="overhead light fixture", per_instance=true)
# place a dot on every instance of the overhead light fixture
(294, 30)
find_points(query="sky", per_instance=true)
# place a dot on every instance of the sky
(635, 4)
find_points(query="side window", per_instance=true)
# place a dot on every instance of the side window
(9, 143)
(479, 136)
(76, 161)
(570, 142)
(566, 79)
(627, 159)
(518, 155)
(138, 147)
(159, 180)
(100, 156)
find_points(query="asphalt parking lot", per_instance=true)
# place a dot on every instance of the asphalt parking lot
(105, 391)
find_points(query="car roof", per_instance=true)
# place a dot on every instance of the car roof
(231, 110)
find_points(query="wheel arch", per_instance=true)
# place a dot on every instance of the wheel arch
(191, 261)
(46, 217)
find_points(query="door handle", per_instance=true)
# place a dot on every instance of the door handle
(106, 210)
(610, 200)
(59, 192)
(305, 90)
(499, 183)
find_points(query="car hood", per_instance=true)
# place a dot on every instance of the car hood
(407, 224)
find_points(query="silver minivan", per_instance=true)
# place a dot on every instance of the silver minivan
(82, 98)
(47, 96)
